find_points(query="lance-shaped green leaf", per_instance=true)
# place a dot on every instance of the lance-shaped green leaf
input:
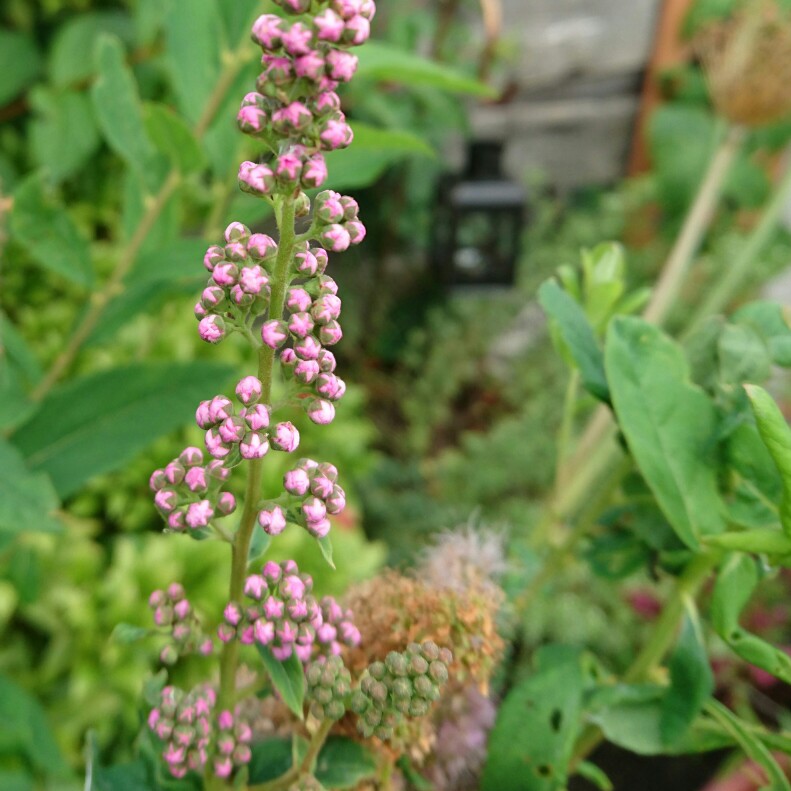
(343, 763)
(691, 679)
(288, 678)
(173, 138)
(776, 435)
(48, 234)
(736, 581)
(533, 737)
(668, 423)
(118, 110)
(576, 332)
(105, 418)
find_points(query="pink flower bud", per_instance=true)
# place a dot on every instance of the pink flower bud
(288, 357)
(326, 308)
(211, 329)
(310, 67)
(232, 614)
(226, 504)
(320, 411)
(202, 417)
(278, 72)
(341, 65)
(296, 482)
(241, 297)
(232, 430)
(166, 500)
(182, 609)
(206, 648)
(300, 324)
(212, 296)
(248, 391)
(326, 361)
(196, 479)
(336, 502)
(173, 754)
(285, 437)
(329, 25)
(255, 586)
(215, 445)
(261, 247)
(200, 311)
(274, 333)
(295, 6)
(267, 31)
(330, 333)
(190, 457)
(336, 134)
(335, 238)
(217, 470)
(314, 173)
(329, 208)
(214, 255)
(157, 599)
(272, 572)
(297, 40)
(253, 279)
(176, 520)
(264, 631)
(321, 486)
(174, 473)
(358, 30)
(330, 387)
(350, 207)
(294, 117)
(321, 259)
(368, 9)
(220, 408)
(305, 263)
(314, 509)
(257, 417)
(318, 529)
(199, 514)
(226, 632)
(347, 8)
(308, 348)
(254, 445)
(158, 480)
(326, 103)
(328, 470)
(225, 274)
(242, 754)
(236, 232)
(356, 231)
(273, 520)
(298, 300)
(306, 371)
(282, 653)
(251, 120)
(256, 179)
(223, 767)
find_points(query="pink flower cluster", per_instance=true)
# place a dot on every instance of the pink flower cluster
(285, 616)
(238, 289)
(337, 221)
(295, 109)
(186, 722)
(320, 495)
(173, 611)
(248, 433)
(188, 494)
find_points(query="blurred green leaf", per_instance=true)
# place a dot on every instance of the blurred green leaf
(48, 234)
(173, 138)
(288, 678)
(107, 417)
(63, 133)
(594, 775)
(668, 424)
(743, 354)
(533, 738)
(117, 106)
(127, 633)
(343, 763)
(691, 680)
(770, 321)
(769, 542)
(180, 260)
(16, 781)
(385, 62)
(192, 53)
(27, 499)
(69, 56)
(325, 545)
(19, 63)
(135, 202)
(271, 758)
(24, 730)
(578, 336)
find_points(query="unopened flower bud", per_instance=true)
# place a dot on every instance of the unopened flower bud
(248, 390)
(331, 333)
(254, 445)
(306, 371)
(296, 482)
(285, 437)
(273, 520)
(257, 417)
(211, 329)
(274, 333)
(261, 247)
(226, 504)
(335, 238)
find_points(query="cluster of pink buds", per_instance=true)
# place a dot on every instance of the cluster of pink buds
(173, 611)
(320, 495)
(336, 218)
(238, 289)
(285, 616)
(305, 58)
(186, 723)
(246, 434)
(188, 494)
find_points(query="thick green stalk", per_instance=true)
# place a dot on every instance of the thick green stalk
(240, 549)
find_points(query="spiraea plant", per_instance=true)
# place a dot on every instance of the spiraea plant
(276, 294)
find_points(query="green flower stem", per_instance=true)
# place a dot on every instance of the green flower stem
(687, 586)
(240, 549)
(155, 205)
(303, 767)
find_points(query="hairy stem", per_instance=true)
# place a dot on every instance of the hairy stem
(114, 286)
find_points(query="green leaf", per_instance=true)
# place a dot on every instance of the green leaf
(63, 134)
(533, 738)
(770, 320)
(19, 63)
(752, 746)
(744, 356)
(259, 545)
(28, 502)
(776, 435)
(691, 680)
(577, 334)
(325, 545)
(343, 763)
(387, 63)
(193, 53)
(48, 234)
(127, 633)
(24, 730)
(594, 775)
(179, 260)
(118, 110)
(75, 38)
(668, 424)
(173, 138)
(288, 678)
(107, 417)
(764, 542)
(271, 758)
(16, 781)
(736, 581)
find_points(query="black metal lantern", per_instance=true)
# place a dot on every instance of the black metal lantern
(478, 222)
